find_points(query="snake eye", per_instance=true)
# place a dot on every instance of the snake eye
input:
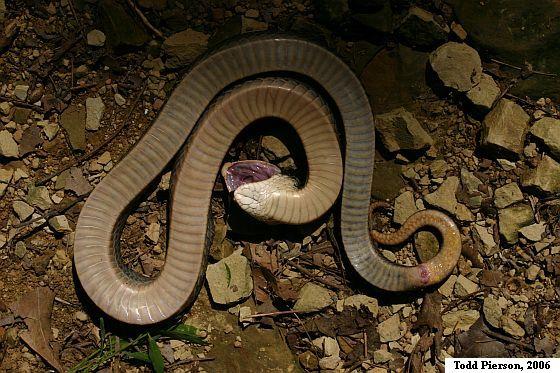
(245, 172)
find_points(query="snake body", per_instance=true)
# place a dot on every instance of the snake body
(237, 84)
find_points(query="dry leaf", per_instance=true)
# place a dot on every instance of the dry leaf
(264, 258)
(35, 307)
(30, 139)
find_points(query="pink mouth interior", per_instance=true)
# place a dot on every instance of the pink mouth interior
(245, 172)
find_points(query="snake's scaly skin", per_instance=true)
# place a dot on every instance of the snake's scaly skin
(434, 270)
(200, 120)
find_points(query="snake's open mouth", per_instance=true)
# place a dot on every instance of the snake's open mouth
(244, 172)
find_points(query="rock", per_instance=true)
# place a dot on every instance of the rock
(463, 213)
(360, 301)
(489, 245)
(483, 95)
(404, 207)
(94, 112)
(153, 232)
(390, 329)
(457, 66)
(394, 78)
(514, 31)
(229, 280)
(251, 25)
(73, 180)
(73, 120)
(104, 158)
(22, 210)
(60, 224)
(21, 114)
(504, 129)
(399, 130)
(426, 245)
(447, 287)
(39, 197)
(8, 147)
(330, 362)
(470, 181)
(96, 38)
(461, 320)
(507, 195)
(5, 178)
(184, 47)
(50, 130)
(5, 106)
(444, 197)
(545, 178)
(123, 31)
(532, 272)
(30, 139)
(81, 316)
(458, 30)
(3, 240)
(438, 168)
(308, 360)
(511, 327)
(382, 356)
(329, 346)
(119, 99)
(547, 130)
(387, 180)
(464, 286)
(21, 249)
(533, 232)
(20, 91)
(492, 311)
(313, 297)
(420, 29)
(512, 219)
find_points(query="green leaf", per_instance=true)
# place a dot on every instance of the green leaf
(228, 274)
(138, 355)
(102, 334)
(155, 355)
(185, 333)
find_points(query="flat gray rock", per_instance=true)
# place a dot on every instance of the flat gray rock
(184, 47)
(229, 280)
(512, 219)
(399, 130)
(444, 197)
(483, 95)
(504, 129)
(507, 195)
(94, 112)
(73, 120)
(8, 146)
(545, 178)
(548, 131)
(457, 66)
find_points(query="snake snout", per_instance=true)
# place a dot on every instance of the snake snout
(240, 173)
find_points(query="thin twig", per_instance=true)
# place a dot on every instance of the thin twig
(147, 23)
(317, 278)
(509, 340)
(527, 102)
(22, 104)
(53, 212)
(520, 68)
(189, 361)
(462, 300)
(98, 149)
(277, 313)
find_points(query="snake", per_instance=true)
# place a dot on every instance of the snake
(256, 78)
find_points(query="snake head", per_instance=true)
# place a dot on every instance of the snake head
(255, 186)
